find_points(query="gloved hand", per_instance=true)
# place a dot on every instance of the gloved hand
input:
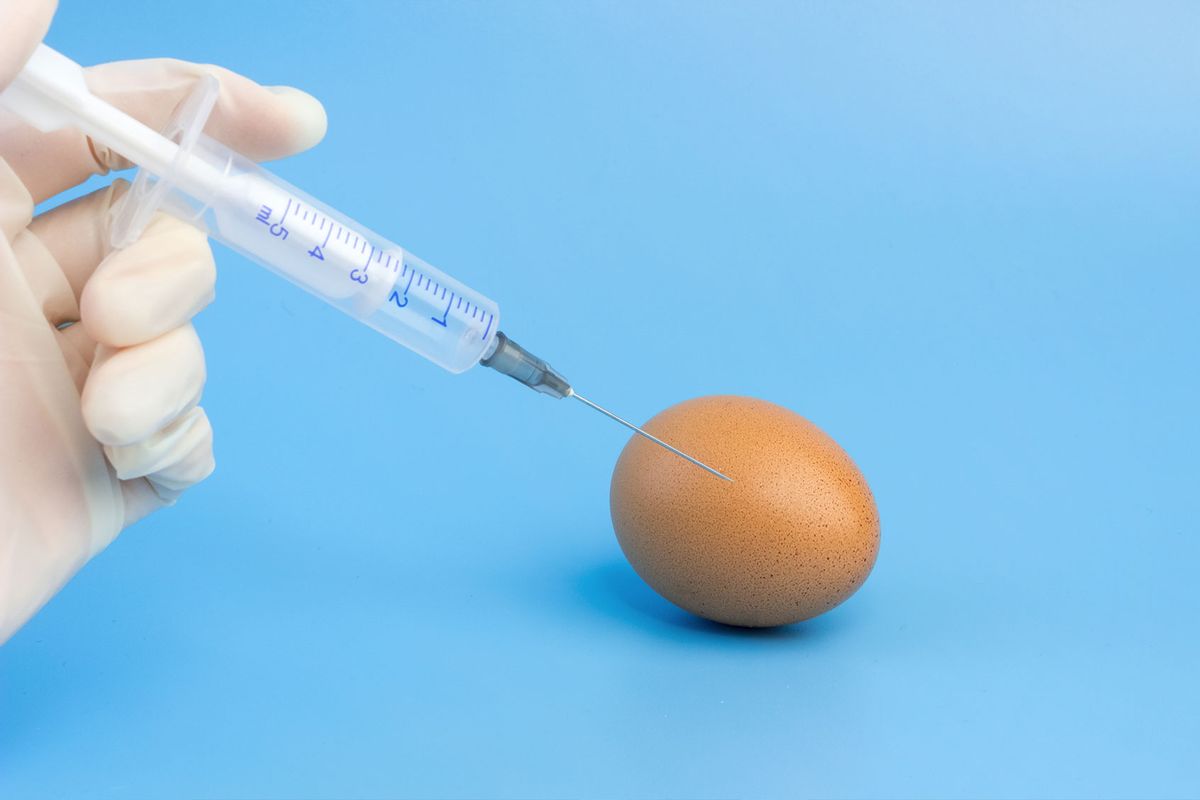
(100, 368)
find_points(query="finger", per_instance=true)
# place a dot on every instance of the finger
(124, 297)
(132, 393)
(25, 25)
(260, 122)
(174, 458)
(140, 500)
(75, 234)
(151, 287)
(186, 460)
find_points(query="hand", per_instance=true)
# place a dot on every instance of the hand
(100, 368)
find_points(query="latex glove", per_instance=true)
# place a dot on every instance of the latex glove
(99, 420)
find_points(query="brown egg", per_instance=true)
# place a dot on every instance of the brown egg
(793, 535)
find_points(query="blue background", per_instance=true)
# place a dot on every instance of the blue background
(962, 238)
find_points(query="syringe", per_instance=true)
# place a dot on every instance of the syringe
(252, 211)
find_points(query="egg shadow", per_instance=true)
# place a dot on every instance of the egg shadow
(615, 589)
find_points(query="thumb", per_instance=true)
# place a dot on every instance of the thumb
(23, 23)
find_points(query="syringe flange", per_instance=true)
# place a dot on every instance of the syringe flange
(150, 192)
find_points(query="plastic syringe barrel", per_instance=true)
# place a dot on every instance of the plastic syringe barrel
(335, 258)
(242, 205)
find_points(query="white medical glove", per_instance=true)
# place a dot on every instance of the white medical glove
(100, 368)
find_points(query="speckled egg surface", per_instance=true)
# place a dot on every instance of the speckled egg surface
(792, 536)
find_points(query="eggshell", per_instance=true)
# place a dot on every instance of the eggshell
(793, 535)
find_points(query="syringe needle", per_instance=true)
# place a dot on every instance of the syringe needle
(509, 358)
(651, 437)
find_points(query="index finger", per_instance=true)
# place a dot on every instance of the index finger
(260, 122)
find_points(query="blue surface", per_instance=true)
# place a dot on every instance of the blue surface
(961, 238)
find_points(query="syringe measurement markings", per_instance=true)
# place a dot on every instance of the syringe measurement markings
(427, 283)
(445, 313)
(395, 296)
